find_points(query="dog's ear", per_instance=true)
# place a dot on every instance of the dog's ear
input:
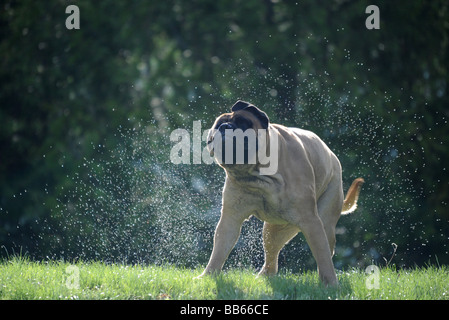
(262, 116)
(239, 105)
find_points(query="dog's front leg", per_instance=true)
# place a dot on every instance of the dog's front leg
(226, 235)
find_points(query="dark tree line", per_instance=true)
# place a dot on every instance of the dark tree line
(86, 115)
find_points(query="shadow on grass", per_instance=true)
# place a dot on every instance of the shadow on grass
(229, 289)
(307, 287)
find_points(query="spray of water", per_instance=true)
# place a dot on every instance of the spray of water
(132, 205)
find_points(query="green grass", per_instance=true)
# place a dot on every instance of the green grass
(21, 278)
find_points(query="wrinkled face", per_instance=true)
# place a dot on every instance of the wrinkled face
(233, 139)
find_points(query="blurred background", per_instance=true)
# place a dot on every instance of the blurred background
(86, 116)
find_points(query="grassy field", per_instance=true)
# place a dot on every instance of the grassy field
(24, 279)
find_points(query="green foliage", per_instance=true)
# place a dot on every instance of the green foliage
(86, 117)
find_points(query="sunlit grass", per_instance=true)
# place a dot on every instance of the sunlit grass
(21, 278)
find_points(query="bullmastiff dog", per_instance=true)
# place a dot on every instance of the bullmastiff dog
(304, 193)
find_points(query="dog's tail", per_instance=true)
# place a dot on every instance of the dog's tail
(350, 202)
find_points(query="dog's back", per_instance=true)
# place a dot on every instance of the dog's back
(324, 162)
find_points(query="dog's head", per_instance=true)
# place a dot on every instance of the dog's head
(234, 137)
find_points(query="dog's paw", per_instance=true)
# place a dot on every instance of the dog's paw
(207, 272)
(265, 272)
(201, 276)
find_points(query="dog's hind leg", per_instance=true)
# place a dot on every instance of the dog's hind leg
(274, 239)
(329, 209)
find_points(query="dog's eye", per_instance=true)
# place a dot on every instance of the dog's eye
(221, 121)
